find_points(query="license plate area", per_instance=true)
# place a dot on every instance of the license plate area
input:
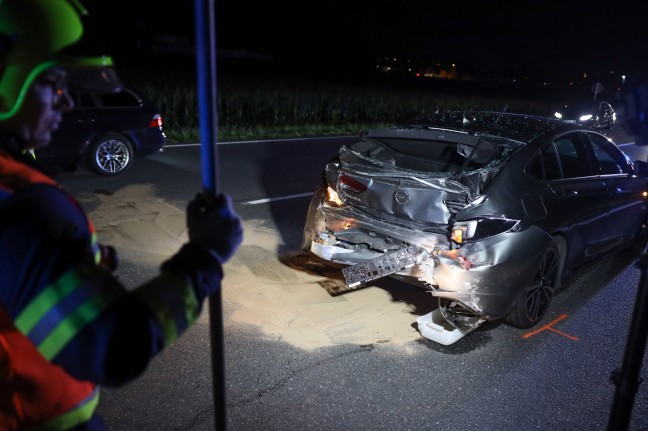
(389, 263)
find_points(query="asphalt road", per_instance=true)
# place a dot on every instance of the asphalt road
(496, 378)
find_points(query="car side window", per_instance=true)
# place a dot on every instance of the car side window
(120, 99)
(82, 99)
(86, 100)
(609, 159)
(573, 157)
(546, 165)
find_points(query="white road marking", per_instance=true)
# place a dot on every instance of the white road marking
(280, 198)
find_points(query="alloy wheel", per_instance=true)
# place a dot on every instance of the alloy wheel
(540, 293)
(112, 156)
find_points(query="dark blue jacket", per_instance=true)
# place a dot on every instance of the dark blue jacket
(62, 295)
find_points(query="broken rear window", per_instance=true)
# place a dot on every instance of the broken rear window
(466, 153)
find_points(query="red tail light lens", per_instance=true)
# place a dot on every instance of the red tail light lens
(156, 121)
(351, 185)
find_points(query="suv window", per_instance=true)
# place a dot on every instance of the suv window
(85, 100)
(120, 99)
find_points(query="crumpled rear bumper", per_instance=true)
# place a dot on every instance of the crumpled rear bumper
(484, 276)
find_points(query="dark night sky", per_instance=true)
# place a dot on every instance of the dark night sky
(525, 35)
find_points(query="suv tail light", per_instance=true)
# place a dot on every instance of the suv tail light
(156, 121)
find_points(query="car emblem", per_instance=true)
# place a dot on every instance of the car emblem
(401, 196)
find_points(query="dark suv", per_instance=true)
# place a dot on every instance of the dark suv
(105, 132)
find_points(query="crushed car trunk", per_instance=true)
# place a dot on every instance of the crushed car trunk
(389, 201)
(414, 180)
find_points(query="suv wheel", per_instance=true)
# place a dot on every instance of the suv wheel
(641, 241)
(110, 154)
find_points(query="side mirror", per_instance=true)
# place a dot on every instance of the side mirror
(641, 168)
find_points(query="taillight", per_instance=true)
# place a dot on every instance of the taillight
(350, 185)
(156, 121)
(345, 186)
(461, 231)
(481, 228)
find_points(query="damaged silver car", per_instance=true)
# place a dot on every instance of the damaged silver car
(486, 210)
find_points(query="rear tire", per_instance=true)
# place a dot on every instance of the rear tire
(533, 302)
(110, 154)
(641, 241)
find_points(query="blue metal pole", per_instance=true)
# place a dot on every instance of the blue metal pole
(207, 103)
(206, 70)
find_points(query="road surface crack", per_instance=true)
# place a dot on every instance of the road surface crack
(282, 382)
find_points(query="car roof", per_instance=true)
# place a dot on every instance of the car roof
(517, 127)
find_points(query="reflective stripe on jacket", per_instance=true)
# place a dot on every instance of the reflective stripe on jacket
(76, 316)
(35, 393)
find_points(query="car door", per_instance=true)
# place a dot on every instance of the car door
(579, 204)
(74, 132)
(626, 203)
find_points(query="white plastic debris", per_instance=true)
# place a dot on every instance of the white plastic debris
(326, 251)
(434, 327)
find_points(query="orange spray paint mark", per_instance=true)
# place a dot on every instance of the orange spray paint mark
(549, 327)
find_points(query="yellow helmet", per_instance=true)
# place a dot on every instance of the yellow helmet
(41, 34)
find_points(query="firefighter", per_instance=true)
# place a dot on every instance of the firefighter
(67, 325)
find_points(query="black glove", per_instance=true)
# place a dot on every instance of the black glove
(213, 224)
(109, 257)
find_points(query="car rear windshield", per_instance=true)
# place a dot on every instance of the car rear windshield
(424, 155)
